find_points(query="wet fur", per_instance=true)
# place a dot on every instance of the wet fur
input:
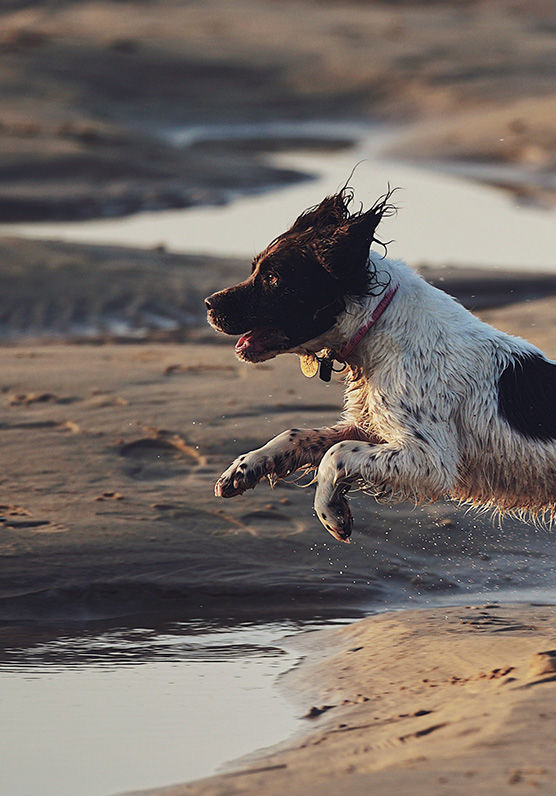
(437, 404)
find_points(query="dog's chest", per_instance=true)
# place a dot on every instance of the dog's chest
(370, 408)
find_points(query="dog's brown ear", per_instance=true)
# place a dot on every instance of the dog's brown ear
(331, 212)
(346, 252)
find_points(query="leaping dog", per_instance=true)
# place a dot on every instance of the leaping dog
(437, 404)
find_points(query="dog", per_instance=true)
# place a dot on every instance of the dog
(437, 403)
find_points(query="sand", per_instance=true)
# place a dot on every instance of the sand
(443, 701)
(110, 452)
(67, 292)
(437, 701)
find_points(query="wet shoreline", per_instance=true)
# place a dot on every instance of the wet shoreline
(110, 454)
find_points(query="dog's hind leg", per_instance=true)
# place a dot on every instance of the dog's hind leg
(416, 471)
(284, 454)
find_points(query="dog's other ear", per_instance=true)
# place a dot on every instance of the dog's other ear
(346, 252)
(331, 212)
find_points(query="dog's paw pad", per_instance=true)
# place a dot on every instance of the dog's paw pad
(242, 475)
(337, 519)
(225, 488)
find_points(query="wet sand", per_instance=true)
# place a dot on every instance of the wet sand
(109, 458)
(109, 452)
(56, 291)
(437, 702)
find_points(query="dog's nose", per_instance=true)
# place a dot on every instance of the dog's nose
(208, 304)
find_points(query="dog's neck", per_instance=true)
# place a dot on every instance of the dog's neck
(344, 353)
(359, 317)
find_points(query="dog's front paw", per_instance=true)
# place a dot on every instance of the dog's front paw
(244, 473)
(331, 505)
(335, 515)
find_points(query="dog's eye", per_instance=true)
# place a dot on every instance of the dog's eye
(272, 280)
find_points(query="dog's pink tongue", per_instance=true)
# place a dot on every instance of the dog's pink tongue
(251, 339)
(244, 341)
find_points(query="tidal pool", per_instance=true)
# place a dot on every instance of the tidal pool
(97, 713)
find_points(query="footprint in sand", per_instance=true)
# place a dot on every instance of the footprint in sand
(29, 398)
(17, 524)
(184, 513)
(315, 711)
(163, 455)
(17, 518)
(271, 521)
(10, 510)
(109, 495)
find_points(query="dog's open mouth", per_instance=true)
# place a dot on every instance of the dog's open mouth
(262, 343)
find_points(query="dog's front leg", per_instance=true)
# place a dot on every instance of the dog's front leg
(415, 470)
(284, 454)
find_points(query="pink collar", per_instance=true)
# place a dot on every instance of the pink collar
(379, 309)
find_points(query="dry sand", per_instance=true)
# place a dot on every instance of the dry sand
(440, 702)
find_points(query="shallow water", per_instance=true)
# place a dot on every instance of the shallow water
(99, 712)
(443, 219)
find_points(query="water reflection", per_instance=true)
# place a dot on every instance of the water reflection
(25, 646)
(132, 646)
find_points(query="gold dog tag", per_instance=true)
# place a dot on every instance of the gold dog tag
(309, 365)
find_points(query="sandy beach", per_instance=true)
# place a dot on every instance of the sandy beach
(110, 453)
(109, 457)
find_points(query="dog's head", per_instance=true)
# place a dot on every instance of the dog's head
(299, 283)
